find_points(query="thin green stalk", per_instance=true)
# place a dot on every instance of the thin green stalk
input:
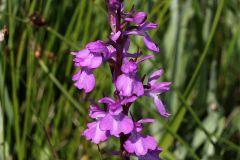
(14, 83)
(75, 46)
(100, 152)
(194, 115)
(53, 151)
(30, 57)
(178, 118)
(229, 144)
(87, 23)
(27, 118)
(61, 88)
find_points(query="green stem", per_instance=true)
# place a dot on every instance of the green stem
(49, 29)
(194, 115)
(14, 84)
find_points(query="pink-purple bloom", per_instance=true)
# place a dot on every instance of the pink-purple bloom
(84, 79)
(128, 83)
(141, 31)
(140, 144)
(111, 117)
(110, 122)
(155, 88)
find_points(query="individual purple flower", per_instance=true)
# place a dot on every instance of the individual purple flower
(94, 133)
(151, 155)
(115, 121)
(141, 31)
(139, 144)
(128, 83)
(84, 79)
(155, 88)
(91, 56)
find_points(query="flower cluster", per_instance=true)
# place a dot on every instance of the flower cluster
(112, 118)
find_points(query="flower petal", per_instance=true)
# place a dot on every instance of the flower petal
(155, 76)
(140, 17)
(138, 88)
(95, 134)
(106, 100)
(92, 61)
(129, 67)
(148, 26)
(96, 112)
(140, 144)
(160, 106)
(84, 79)
(146, 120)
(160, 88)
(150, 44)
(124, 85)
(96, 47)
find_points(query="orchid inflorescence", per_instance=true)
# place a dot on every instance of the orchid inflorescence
(113, 118)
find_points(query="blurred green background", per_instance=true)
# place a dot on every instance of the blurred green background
(42, 114)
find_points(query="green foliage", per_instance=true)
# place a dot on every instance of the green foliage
(42, 114)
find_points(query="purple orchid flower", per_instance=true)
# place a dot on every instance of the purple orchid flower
(84, 79)
(128, 83)
(114, 120)
(155, 88)
(94, 133)
(91, 56)
(110, 122)
(141, 31)
(140, 144)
